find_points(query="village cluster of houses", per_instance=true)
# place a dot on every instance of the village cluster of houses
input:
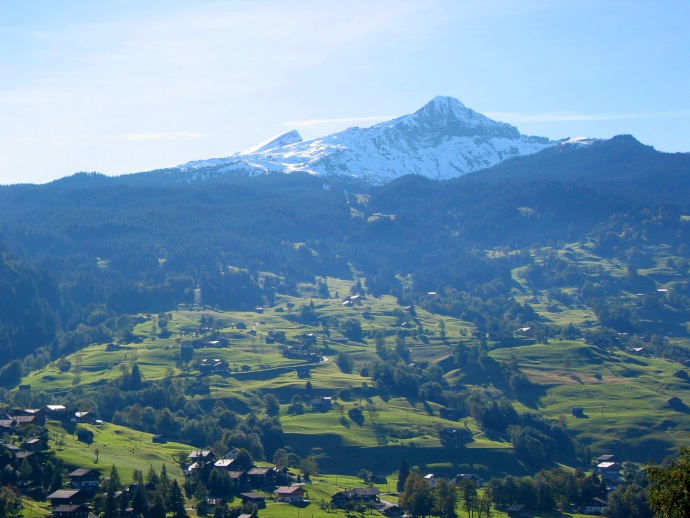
(30, 423)
(607, 467)
(38, 416)
(278, 482)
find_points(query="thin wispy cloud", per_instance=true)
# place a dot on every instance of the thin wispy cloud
(591, 117)
(158, 136)
(343, 120)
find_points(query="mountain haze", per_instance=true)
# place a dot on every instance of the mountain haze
(443, 139)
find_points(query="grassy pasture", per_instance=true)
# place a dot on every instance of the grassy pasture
(117, 445)
(624, 397)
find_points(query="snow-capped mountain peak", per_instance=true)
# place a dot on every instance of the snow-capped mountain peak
(284, 139)
(441, 140)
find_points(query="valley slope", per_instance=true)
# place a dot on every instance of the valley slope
(543, 303)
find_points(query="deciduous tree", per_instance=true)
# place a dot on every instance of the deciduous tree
(669, 487)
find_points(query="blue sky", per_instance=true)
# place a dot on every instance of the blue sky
(126, 85)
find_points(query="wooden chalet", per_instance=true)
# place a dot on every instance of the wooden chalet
(71, 511)
(359, 494)
(260, 476)
(252, 498)
(27, 420)
(85, 436)
(88, 480)
(7, 425)
(290, 494)
(21, 455)
(35, 444)
(455, 434)
(321, 403)
(391, 510)
(202, 456)
(452, 414)
(606, 458)
(225, 464)
(67, 497)
(213, 365)
(84, 417)
(56, 412)
(593, 506)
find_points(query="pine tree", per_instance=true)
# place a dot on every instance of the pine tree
(200, 497)
(139, 500)
(156, 507)
(152, 477)
(164, 485)
(110, 509)
(403, 473)
(114, 481)
(135, 378)
(177, 501)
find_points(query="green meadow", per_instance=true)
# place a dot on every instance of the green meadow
(115, 445)
(623, 397)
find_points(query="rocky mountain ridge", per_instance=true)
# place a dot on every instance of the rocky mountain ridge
(443, 139)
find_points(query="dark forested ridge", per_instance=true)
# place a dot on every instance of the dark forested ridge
(143, 243)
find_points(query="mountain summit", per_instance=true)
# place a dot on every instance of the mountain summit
(441, 140)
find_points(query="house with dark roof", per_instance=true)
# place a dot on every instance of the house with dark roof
(260, 476)
(35, 444)
(56, 412)
(453, 435)
(252, 498)
(610, 473)
(7, 425)
(67, 496)
(390, 510)
(71, 511)
(21, 455)
(84, 417)
(14, 449)
(88, 480)
(452, 414)
(321, 403)
(606, 458)
(213, 365)
(27, 420)
(225, 464)
(85, 436)
(290, 494)
(202, 456)
(593, 506)
(359, 494)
